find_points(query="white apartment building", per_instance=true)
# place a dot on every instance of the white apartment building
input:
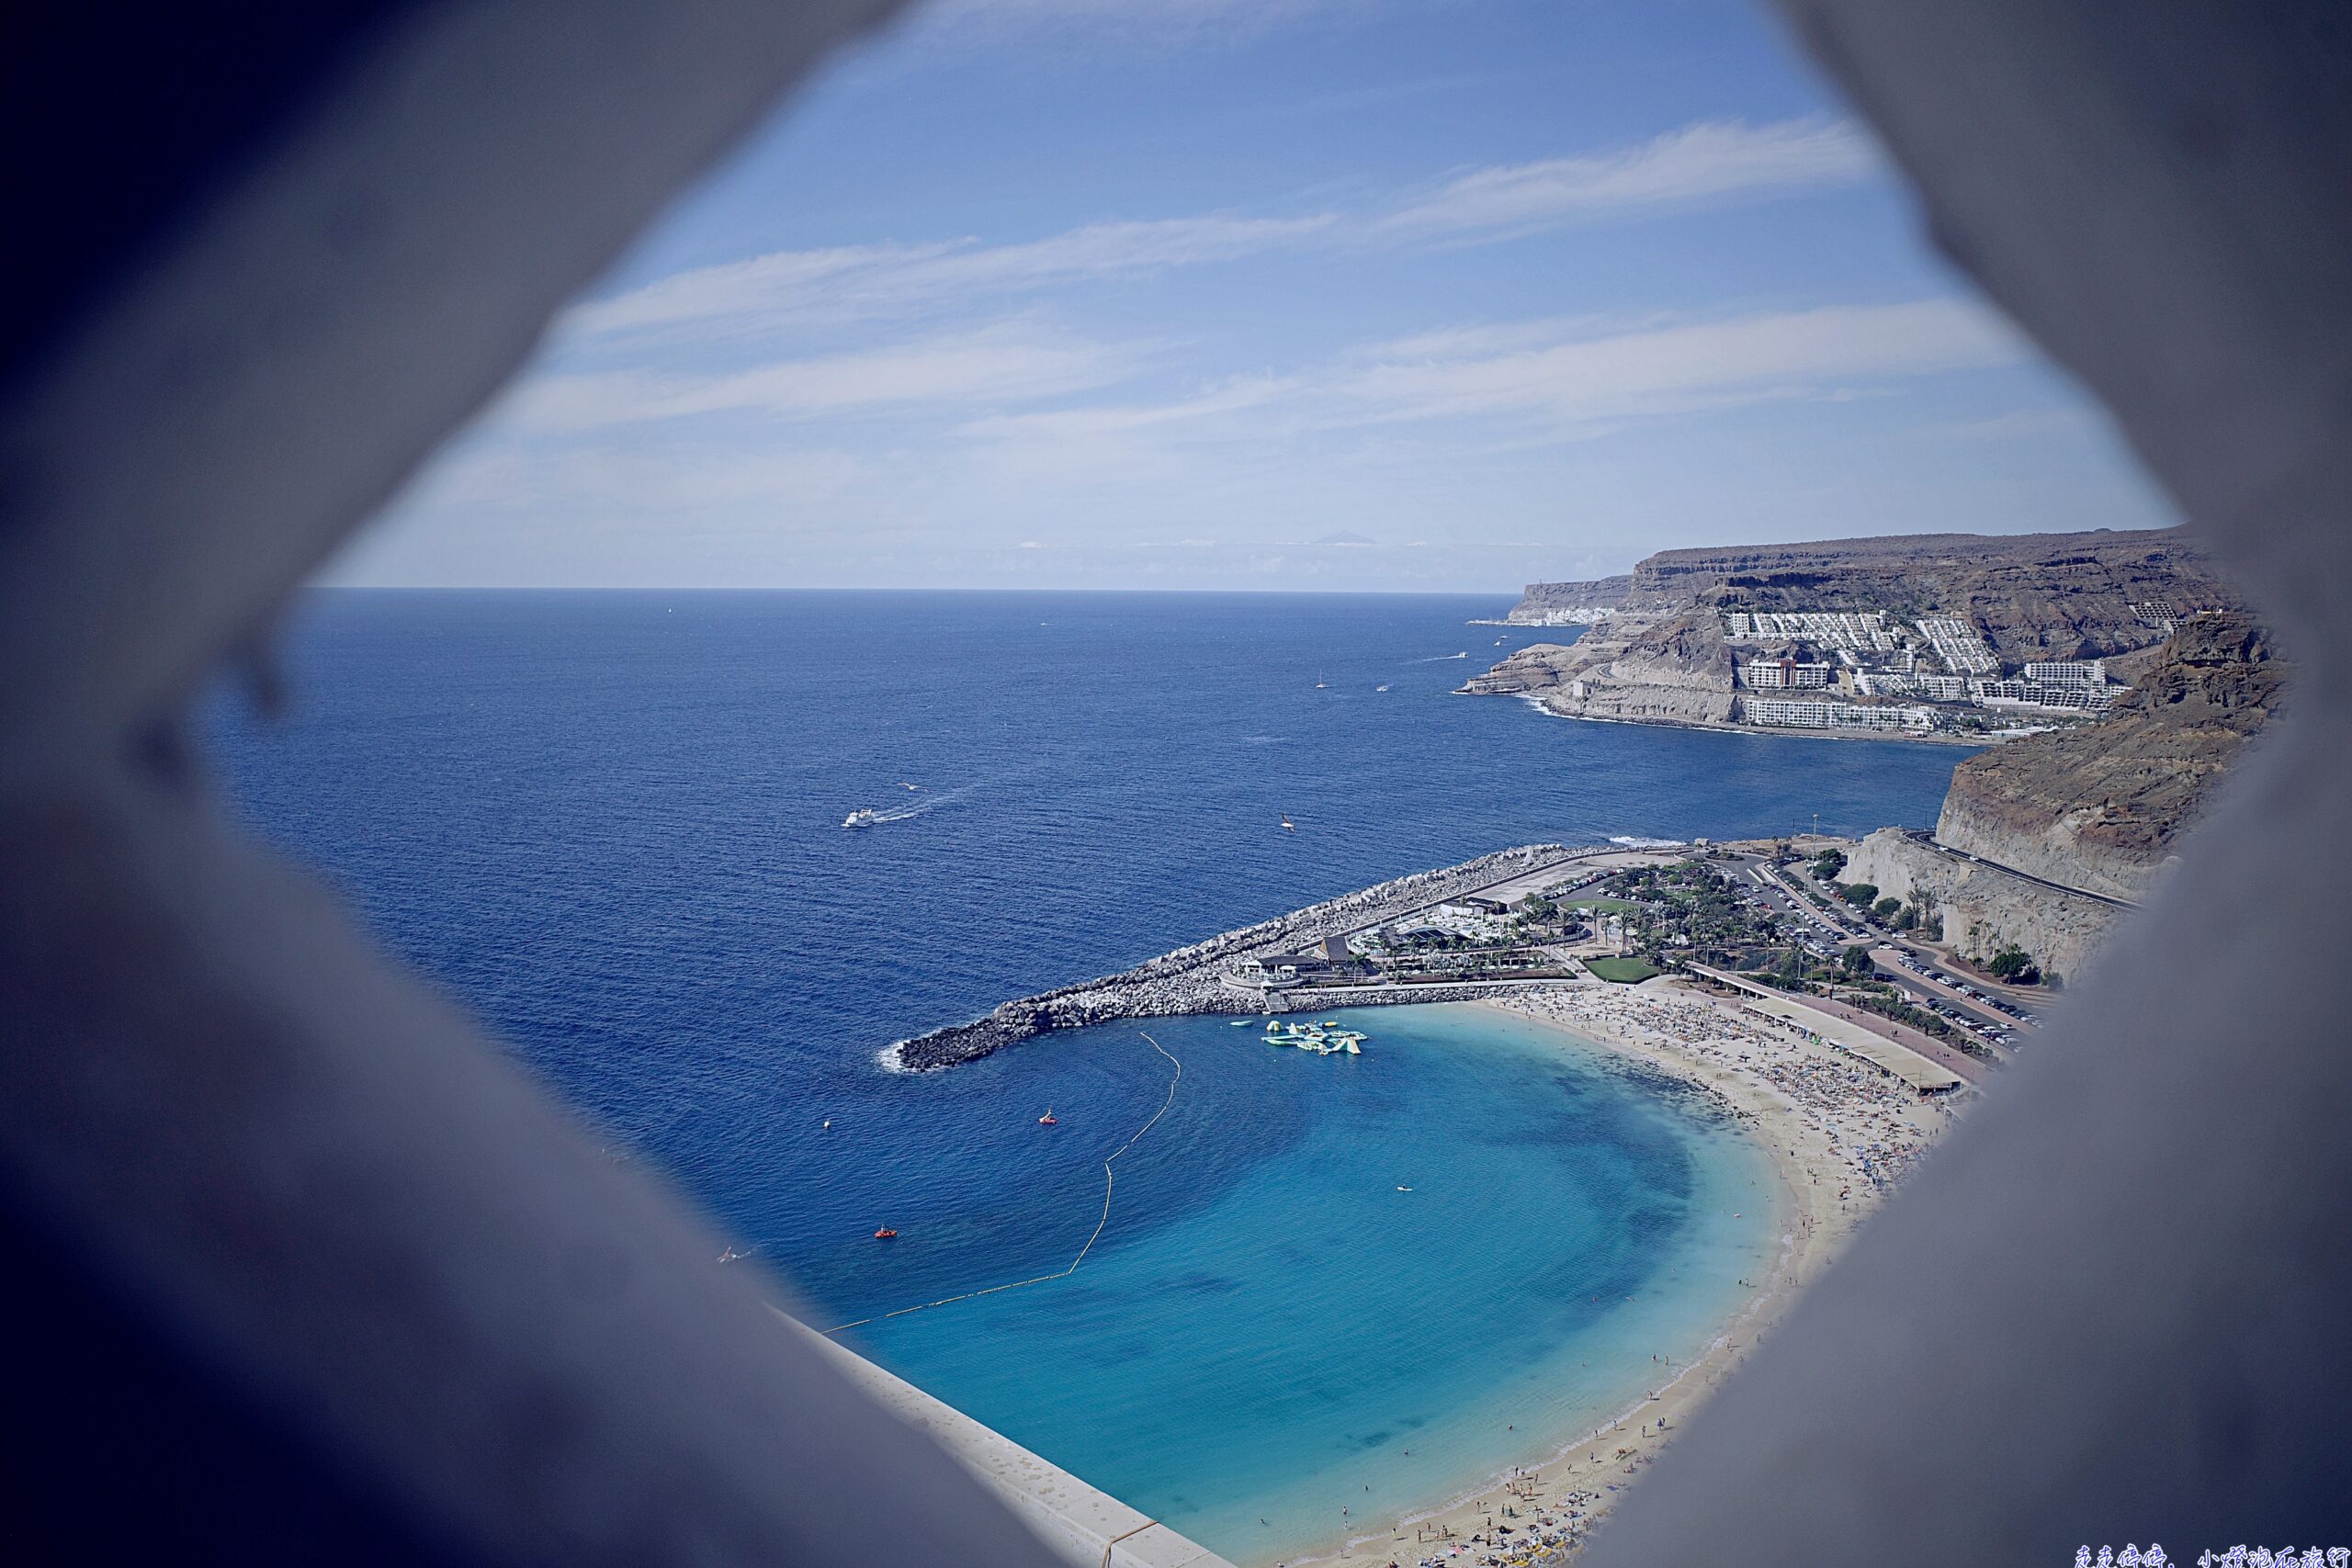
(2069, 694)
(1784, 673)
(1960, 645)
(2069, 672)
(1864, 631)
(1820, 712)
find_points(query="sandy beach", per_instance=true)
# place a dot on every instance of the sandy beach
(1841, 1135)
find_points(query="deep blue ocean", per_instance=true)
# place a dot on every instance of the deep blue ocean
(611, 825)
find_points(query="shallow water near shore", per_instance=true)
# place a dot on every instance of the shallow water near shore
(1270, 1330)
(611, 825)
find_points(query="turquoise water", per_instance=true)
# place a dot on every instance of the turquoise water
(610, 823)
(1256, 1345)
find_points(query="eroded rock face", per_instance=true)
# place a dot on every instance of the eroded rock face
(2036, 595)
(1985, 909)
(1636, 669)
(1571, 604)
(2102, 808)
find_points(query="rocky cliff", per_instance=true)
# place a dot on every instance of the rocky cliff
(2102, 809)
(1983, 908)
(1570, 603)
(1638, 669)
(2036, 595)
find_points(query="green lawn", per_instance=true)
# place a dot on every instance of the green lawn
(1624, 971)
(1606, 906)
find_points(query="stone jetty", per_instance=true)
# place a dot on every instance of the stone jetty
(1190, 980)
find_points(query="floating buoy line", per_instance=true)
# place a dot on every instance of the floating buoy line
(1109, 1176)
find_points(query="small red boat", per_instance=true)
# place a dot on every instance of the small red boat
(885, 1233)
(1048, 1120)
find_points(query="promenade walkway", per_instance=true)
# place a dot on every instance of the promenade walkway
(1913, 1064)
(1085, 1528)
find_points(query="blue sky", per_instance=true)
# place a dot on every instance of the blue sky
(1266, 294)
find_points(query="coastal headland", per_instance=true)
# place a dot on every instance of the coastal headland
(1976, 638)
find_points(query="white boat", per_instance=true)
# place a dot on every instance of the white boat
(864, 816)
(1380, 688)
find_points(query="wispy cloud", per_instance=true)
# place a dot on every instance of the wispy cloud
(1703, 163)
(1016, 360)
(506, 478)
(1236, 396)
(1681, 367)
(794, 285)
(1695, 165)
(1554, 379)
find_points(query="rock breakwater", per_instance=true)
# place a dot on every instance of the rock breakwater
(1190, 980)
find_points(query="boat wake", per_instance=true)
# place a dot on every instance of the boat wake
(929, 803)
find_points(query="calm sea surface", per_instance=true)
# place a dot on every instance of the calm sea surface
(611, 823)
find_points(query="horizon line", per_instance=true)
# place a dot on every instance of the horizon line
(719, 588)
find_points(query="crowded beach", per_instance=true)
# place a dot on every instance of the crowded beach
(1842, 1134)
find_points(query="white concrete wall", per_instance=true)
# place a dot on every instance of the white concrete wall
(1087, 1525)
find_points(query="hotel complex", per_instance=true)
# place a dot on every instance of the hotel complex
(1913, 677)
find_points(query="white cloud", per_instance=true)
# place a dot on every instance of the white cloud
(1006, 361)
(864, 280)
(505, 479)
(763, 284)
(1109, 420)
(1712, 162)
(1707, 161)
(1551, 379)
(1685, 366)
